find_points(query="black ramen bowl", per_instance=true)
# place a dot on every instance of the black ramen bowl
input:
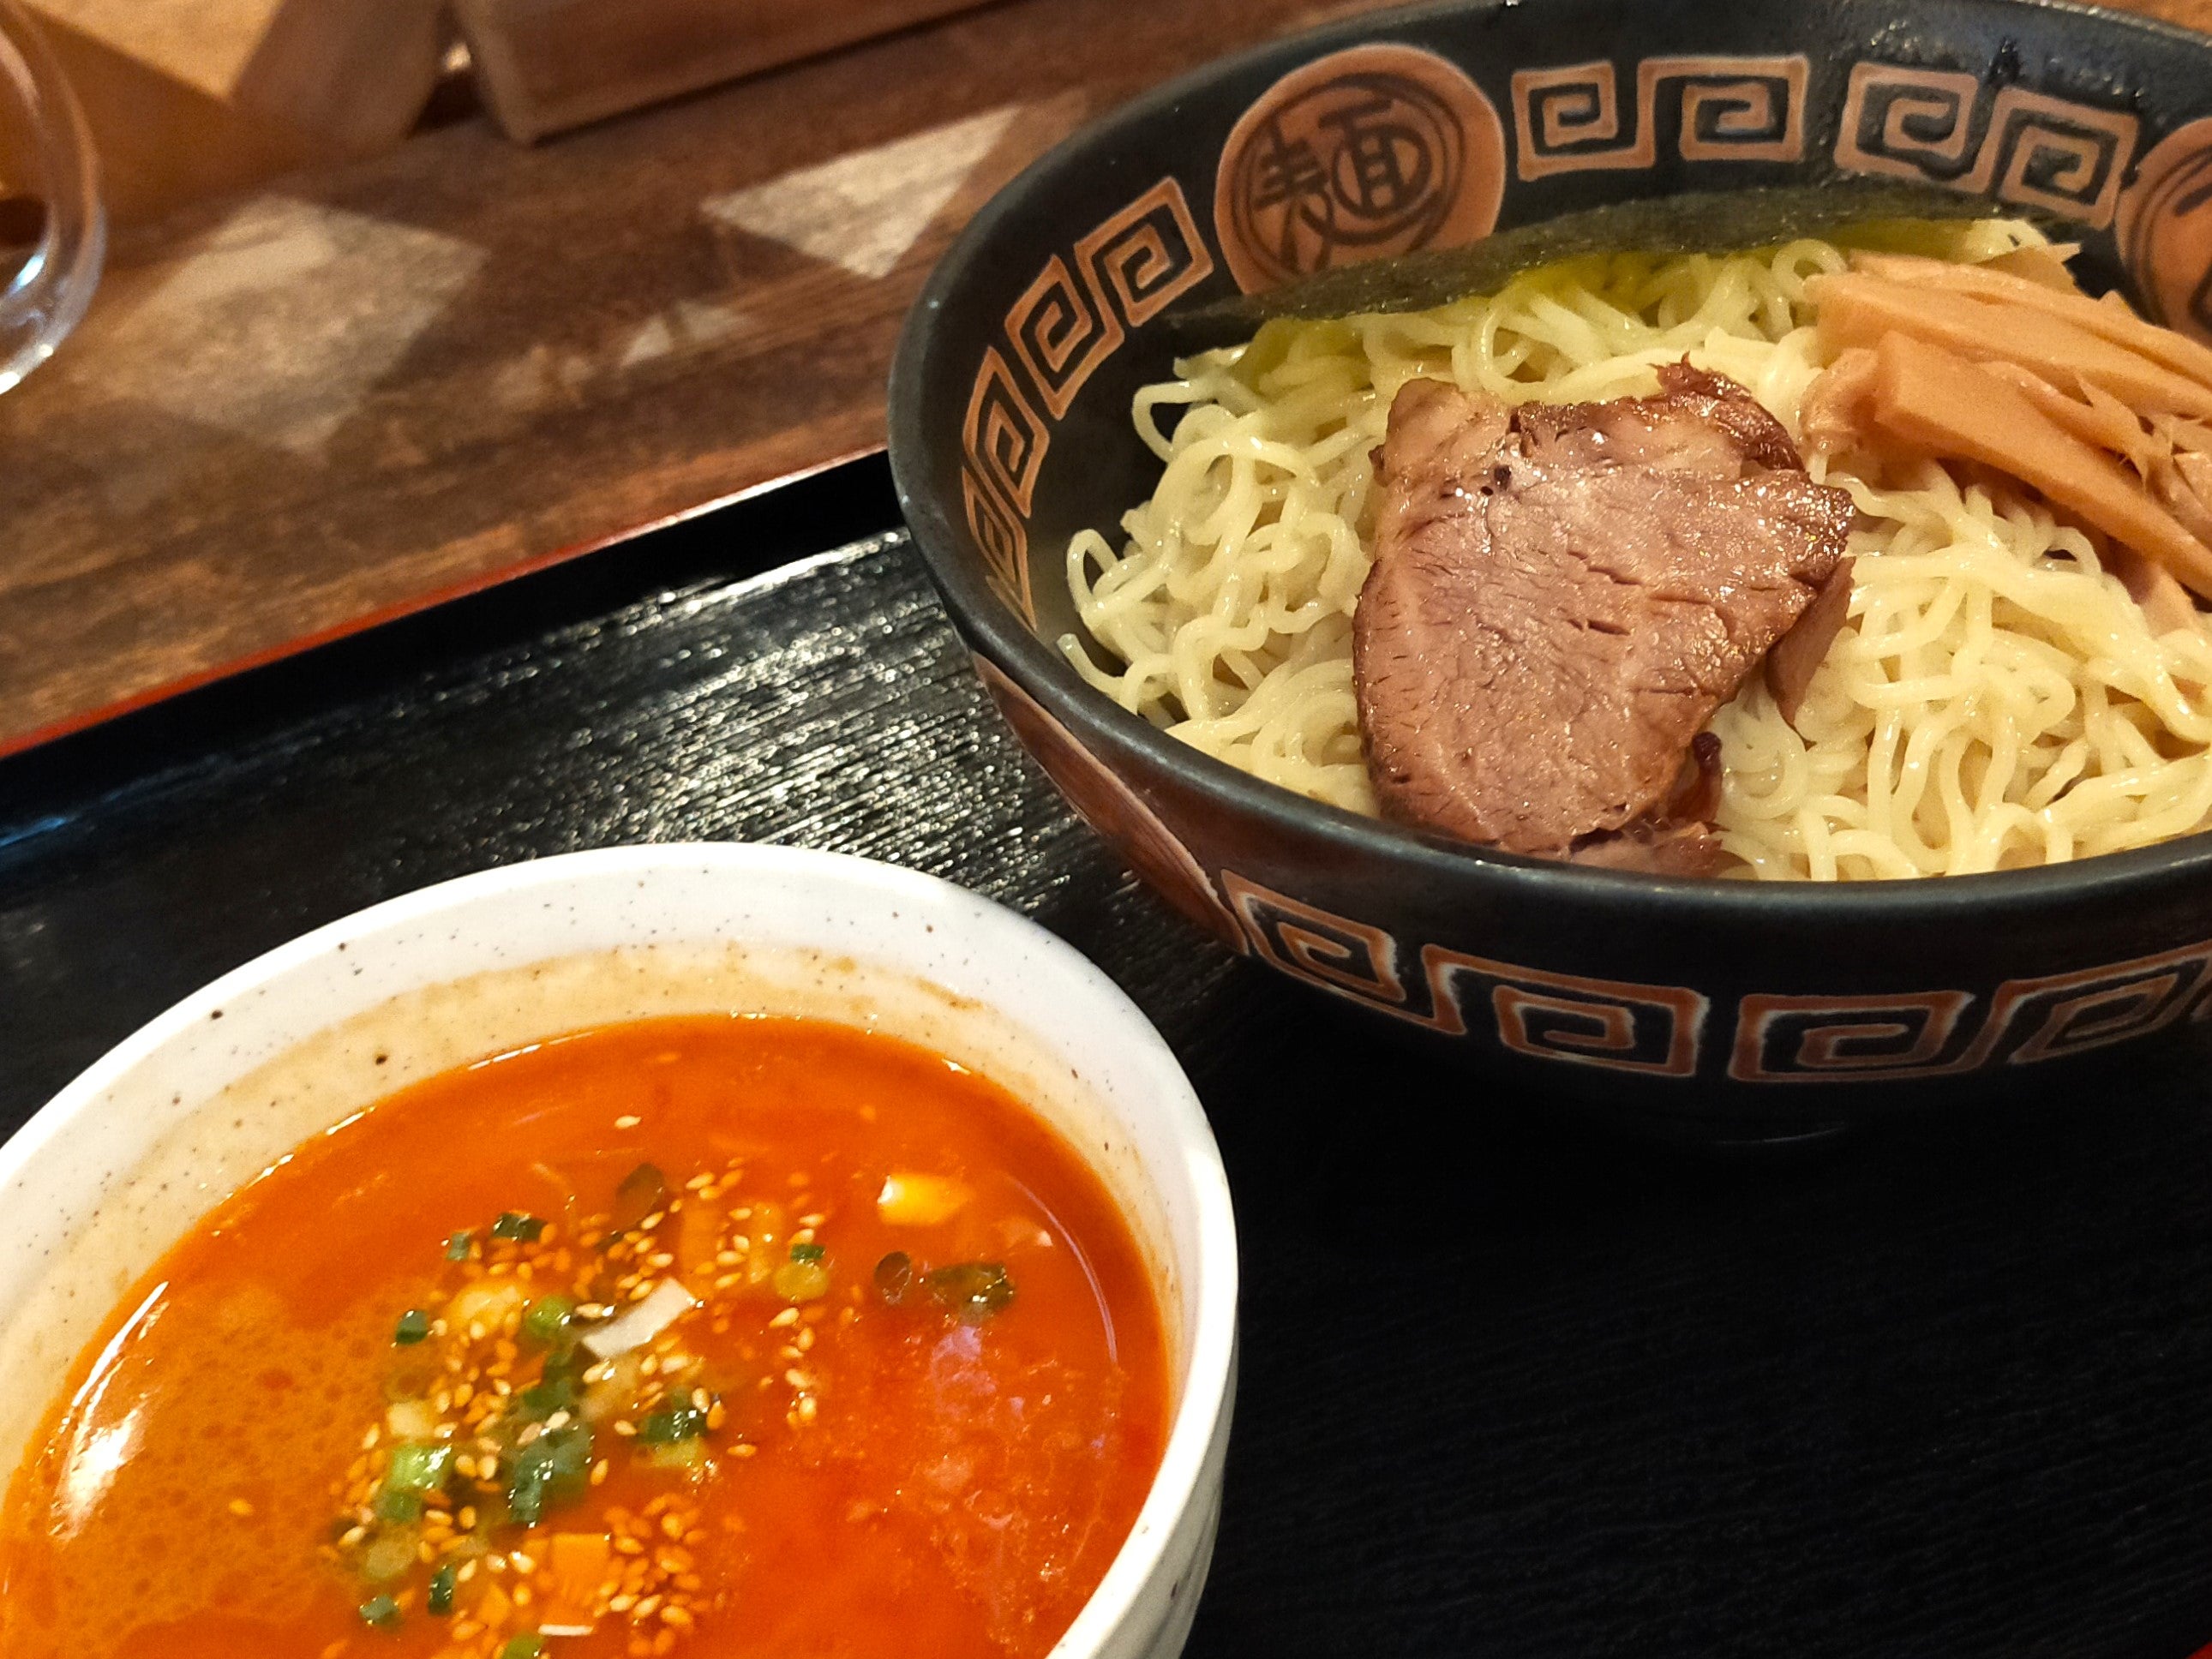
(1740, 1009)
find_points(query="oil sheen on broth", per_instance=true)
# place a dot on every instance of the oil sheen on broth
(747, 1337)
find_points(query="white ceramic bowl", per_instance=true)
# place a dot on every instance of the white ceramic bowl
(123, 1161)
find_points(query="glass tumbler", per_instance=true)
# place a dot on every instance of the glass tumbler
(53, 233)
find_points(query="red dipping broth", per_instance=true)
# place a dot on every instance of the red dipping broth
(737, 1336)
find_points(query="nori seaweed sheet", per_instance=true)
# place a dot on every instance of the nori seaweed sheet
(1713, 222)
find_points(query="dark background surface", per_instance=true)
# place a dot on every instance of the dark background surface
(1511, 1385)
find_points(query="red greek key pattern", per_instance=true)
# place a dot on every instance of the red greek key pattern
(1005, 439)
(1139, 260)
(1004, 543)
(1811, 1039)
(1060, 334)
(1350, 958)
(1659, 1030)
(1070, 319)
(2022, 147)
(1656, 1030)
(1568, 118)
(1786, 1039)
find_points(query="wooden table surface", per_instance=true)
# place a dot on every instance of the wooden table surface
(347, 394)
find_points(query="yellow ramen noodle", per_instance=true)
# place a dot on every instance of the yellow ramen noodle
(1996, 700)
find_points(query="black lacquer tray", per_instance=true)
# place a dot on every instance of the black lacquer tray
(1511, 1385)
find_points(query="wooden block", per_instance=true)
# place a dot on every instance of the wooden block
(546, 66)
(192, 98)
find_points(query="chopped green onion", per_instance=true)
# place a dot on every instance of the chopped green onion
(895, 1277)
(528, 1645)
(973, 1291)
(456, 1246)
(559, 1388)
(441, 1589)
(553, 1468)
(643, 1190)
(400, 1507)
(515, 1224)
(672, 1424)
(413, 1326)
(380, 1611)
(417, 1467)
(807, 1253)
(544, 1320)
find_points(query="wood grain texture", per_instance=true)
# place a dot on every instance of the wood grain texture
(1507, 1389)
(545, 68)
(292, 411)
(190, 98)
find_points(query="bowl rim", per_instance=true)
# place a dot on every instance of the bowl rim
(960, 915)
(1099, 723)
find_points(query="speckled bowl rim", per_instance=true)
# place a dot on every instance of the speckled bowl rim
(1103, 724)
(1210, 1280)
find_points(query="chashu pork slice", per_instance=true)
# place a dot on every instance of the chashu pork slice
(1564, 594)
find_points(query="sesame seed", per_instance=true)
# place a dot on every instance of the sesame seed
(628, 1121)
(241, 1508)
(788, 1316)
